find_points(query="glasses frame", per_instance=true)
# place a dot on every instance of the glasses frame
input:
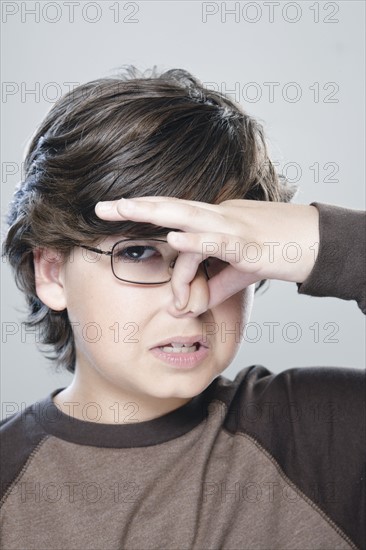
(110, 253)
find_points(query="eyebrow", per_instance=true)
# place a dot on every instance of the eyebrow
(112, 240)
(151, 235)
(115, 237)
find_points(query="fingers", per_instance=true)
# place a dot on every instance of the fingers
(228, 248)
(221, 287)
(227, 283)
(163, 211)
(184, 272)
(104, 206)
(194, 248)
(198, 296)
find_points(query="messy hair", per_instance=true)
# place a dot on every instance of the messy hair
(132, 134)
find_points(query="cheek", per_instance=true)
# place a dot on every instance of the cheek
(238, 308)
(231, 317)
(107, 328)
(99, 306)
(110, 311)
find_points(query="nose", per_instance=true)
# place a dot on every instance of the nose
(199, 296)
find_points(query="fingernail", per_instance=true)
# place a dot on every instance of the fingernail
(104, 205)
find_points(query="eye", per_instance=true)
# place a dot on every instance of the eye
(136, 253)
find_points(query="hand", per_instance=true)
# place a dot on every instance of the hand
(258, 239)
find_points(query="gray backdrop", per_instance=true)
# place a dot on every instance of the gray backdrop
(297, 66)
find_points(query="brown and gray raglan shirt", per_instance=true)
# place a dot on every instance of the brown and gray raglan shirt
(267, 461)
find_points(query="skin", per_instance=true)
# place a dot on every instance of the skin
(231, 225)
(115, 368)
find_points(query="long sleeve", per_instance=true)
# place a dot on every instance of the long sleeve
(339, 270)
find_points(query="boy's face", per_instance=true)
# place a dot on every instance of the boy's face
(116, 326)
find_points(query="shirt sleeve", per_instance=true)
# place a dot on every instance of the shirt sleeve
(339, 269)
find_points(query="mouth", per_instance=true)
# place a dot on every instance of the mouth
(182, 344)
(175, 347)
(181, 351)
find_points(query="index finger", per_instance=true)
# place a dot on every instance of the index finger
(165, 211)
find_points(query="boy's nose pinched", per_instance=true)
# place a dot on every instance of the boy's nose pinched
(199, 296)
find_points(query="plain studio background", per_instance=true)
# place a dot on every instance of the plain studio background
(297, 66)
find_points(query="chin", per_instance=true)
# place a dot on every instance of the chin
(189, 388)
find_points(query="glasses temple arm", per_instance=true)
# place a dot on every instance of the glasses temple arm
(96, 250)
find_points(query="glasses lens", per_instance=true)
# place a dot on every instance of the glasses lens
(214, 266)
(143, 260)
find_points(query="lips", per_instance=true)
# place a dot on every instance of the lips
(181, 357)
(187, 340)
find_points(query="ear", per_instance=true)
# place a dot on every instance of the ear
(48, 264)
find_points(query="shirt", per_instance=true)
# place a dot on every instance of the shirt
(266, 461)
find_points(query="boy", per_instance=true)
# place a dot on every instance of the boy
(150, 446)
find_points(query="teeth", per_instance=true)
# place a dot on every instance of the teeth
(179, 348)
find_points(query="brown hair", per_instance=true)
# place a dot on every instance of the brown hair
(129, 135)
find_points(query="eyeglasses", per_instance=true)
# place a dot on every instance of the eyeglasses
(149, 261)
